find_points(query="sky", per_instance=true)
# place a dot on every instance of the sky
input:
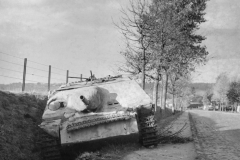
(222, 31)
(79, 36)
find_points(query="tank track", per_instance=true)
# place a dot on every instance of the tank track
(50, 146)
(147, 126)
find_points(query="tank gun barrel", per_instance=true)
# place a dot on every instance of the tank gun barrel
(84, 100)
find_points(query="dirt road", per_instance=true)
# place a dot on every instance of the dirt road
(217, 134)
(184, 151)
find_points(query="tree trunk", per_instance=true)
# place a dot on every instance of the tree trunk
(180, 104)
(143, 71)
(176, 103)
(155, 91)
(164, 96)
(173, 104)
(161, 96)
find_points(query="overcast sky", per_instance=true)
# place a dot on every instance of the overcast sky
(79, 35)
(222, 30)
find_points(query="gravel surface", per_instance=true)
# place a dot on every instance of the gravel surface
(216, 134)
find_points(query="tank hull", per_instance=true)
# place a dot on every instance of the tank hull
(101, 131)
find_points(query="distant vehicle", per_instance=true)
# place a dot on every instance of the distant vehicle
(216, 108)
(210, 108)
(195, 105)
(201, 107)
(230, 108)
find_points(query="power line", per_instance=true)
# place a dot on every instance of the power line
(59, 68)
(11, 55)
(33, 62)
(11, 70)
(23, 58)
(37, 69)
(44, 70)
(30, 60)
(31, 74)
(43, 76)
(17, 78)
(58, 74)
(36, 75)
(11, 62)
(38, 63)
(65, 70)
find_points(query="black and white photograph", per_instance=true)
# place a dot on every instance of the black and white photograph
(119, 80)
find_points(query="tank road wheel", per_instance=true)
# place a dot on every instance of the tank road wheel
(50, 146)
(147, 127)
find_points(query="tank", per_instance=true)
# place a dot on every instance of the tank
(96, 109)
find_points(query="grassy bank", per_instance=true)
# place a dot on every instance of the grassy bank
(19, 116)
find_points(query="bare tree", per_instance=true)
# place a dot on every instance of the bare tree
(135, 26)
(160, 35)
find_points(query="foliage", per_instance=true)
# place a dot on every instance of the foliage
(135, 28)
(193, 91)
(183, 93)
(207, 96)
(233, 93)
(221, 88)
(164, 39)
(178, 88)
(176, 47)
(205, 99)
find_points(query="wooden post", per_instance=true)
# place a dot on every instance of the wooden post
(24, 74)
(49, 77)
(67, 76)
(81, 77)
(91, 75)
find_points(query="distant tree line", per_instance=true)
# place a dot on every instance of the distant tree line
(225, 92)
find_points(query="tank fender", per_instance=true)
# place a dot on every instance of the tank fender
(51, 127)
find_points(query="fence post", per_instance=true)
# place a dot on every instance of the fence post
(24, 74)
(81, 77)
(49, 77)
(67, 76)
(91, 75)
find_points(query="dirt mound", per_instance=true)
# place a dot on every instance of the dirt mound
(20, 115)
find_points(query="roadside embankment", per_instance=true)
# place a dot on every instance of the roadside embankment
(20, 115)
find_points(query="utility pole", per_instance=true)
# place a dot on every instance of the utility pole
(49, 77)
(24, 74)
(91, 75)
(67, 76)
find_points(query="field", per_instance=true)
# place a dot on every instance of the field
(29, 87)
